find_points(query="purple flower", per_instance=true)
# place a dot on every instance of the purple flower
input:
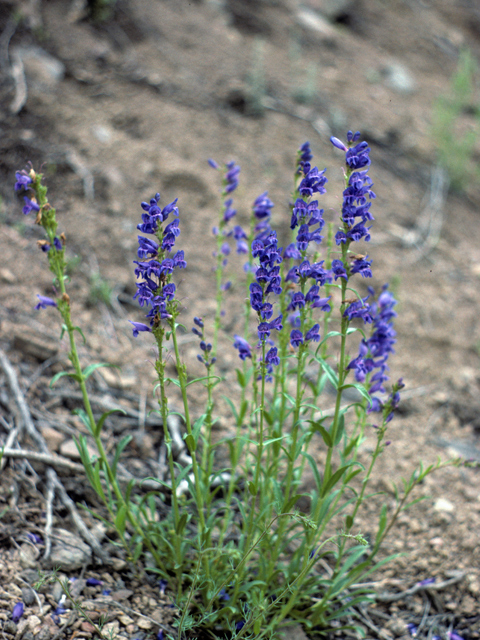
(244, 349)
(272, 358)
(296, 338)
(22, 181)
(262, 206)
(412, 629)
(139, 326)
(36, 539)
(17, 612)
(45, 302)
(363, 267)
(228, 212)
(93, 582)
(322, 303)
(30, 205)
(338, 269)
(313, 182)
(359, 309)
(213, 164)
(338, 143)
(425, 582)
(231, 177)
(304, 156)
(313, 334)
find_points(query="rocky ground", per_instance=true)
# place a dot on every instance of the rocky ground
(113, 112)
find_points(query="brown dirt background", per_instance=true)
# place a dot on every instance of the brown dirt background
(163, 85)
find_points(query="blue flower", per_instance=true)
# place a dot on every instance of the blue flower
(22, 181)
(296, 338)
(30, 205)
(244, 349)
(45, 302)
(313, 182)
(362, 266)
(338, 269)
(17, 612)
(139, 326)
(313, 334)
(262, 206)
(231, 177)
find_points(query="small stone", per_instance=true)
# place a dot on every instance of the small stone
(474, 586)
(121, 594)
(111, 629)
(10, 627)
(86, 626)
(7, 276)
(28, 596)
(77, 586)
(443, 505)
(28, 556)
(118, 564)
(131, 628)
(397, 626)
(69, 552)
(143, 623)
(436, 543)
(33, 622)
(69, 450)
(53, 438)
(125, 620)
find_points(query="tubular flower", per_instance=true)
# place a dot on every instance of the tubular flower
(45, 302)
(244, 349)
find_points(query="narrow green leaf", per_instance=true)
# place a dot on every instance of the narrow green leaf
(190, 442)
(104, 416)
(182, 523)
(340, 429)
(349, 521)
(198, 425)
(233, 408)
(241, 378)
(382, 524)
(332, 481)
(327, 438)
(360, 388)
(81, 413)
(332, 376)
(314, 468)
(120, 519)
(81, 333)
(118, 452)
(87, 372)
(59, 375)
(252, 488)
(243, 412)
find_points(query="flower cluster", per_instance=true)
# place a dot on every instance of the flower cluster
(307, 216)
(267, 281)
(155, 266)
(375, 351)
(356, 207)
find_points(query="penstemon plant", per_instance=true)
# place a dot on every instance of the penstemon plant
(238, 556)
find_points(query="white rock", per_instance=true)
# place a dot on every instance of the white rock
(443, 505)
